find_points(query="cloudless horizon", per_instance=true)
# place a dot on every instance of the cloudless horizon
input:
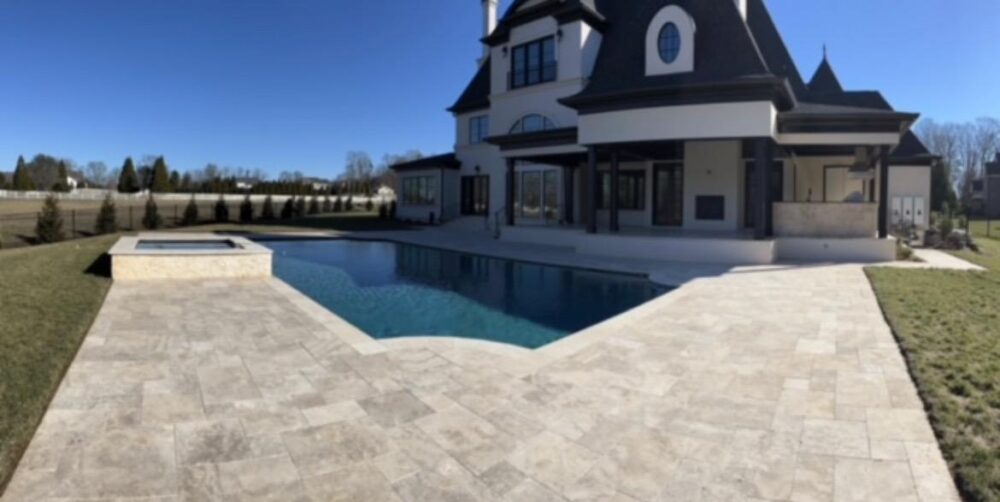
(295, 85)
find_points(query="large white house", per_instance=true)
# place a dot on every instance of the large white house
(671, 129)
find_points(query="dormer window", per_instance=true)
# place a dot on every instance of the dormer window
(670, 42)
(532, 123)
(533, 63)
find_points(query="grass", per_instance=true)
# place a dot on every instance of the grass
(948, 325)
(49, 298)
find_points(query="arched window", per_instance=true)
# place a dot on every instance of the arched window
(670, 43)
(532, 123)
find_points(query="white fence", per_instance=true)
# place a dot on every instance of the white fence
(99, 194)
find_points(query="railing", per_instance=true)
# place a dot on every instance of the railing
(533, 76)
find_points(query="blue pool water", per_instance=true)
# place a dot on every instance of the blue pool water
(393, 290)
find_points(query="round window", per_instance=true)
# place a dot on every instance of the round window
(670, 43)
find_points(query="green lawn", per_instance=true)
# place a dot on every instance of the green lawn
(948, 325)
(48, 300)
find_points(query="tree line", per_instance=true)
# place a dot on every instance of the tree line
(965, 148)
(361, 176)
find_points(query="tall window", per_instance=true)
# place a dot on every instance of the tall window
(537, 195)
(533, 63)
(419, 190)
(479, 129)
(532, 123)
(631, 191)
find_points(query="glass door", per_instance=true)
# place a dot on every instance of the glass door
(475, 195)
(668, 194)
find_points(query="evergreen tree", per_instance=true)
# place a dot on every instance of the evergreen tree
(175, 181)
(349, 205)
(246, 210)
(190, 213)
(267, 211)
(327, 204)
(300, 207)
(160, 182)
(288, 210)
(151, 218)
(221, 211)
(383, 212)
(22, 180)
(107, 217)
(3, 181)
(49, 227)
(369, 205)
(338, 205)
(392, 210)
(314, 205)
(128, 180)
(61, 184)
(186, 183)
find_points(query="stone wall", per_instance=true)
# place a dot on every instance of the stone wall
(840, 220)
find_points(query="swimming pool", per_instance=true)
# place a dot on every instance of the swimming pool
(394, 290)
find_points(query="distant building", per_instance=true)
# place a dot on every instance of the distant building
(245, 183)
(989, 188)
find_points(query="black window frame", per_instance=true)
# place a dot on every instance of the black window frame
(523, 73)
(419, 190)
(479, 124)
(631, 190)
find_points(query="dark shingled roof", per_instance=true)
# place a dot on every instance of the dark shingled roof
(445, 161)
(825, 80)
(911, 151)
(477, 95)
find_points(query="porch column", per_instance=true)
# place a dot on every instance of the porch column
(592, 185)
(883, 192)
(568, 202)
(613, 203)
(762, 169)
(510, 192)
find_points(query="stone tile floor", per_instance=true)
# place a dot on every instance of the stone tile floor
(780, 384)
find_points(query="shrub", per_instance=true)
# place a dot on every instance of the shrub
(151, 218)
(383, 212)
(338, 205)
(107, 217)
(221, 211)
(392, 210)
(267, 212)
(190, 213)
(327, 205)
(288, 210)
(246, 210)
(369, 205)
(314, 205)
(49, 227)
(349, 205)
(300, 207)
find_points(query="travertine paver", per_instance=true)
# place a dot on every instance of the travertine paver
(767, 384)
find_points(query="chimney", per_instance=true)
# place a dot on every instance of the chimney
(741, 5)
(489, 23)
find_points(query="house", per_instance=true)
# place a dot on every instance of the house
(245, 184)
(986, 190)
(677, 129)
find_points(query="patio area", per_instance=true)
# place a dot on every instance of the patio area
(758, 384)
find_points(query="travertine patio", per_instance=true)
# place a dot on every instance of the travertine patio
(782, 384)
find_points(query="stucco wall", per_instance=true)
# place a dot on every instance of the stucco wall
(713, 168)
(825, 220)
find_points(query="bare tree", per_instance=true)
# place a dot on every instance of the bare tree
(97, 174)
(385, 175)
(358, 171)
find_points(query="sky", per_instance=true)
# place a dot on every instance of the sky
(286, 85)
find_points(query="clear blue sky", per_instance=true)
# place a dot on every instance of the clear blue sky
(295, 84)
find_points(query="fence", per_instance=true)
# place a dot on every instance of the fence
(18, 229)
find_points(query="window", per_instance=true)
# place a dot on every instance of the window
(669, 43)
(531, 194)
(537, 195)
(532, 123)
(479, 129)
(631, 191)
(419, 190)
(533, 63)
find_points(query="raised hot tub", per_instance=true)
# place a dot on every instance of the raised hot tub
(188, 256)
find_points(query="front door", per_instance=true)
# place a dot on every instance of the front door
(750, 190)
(668, 194)
(475, 195)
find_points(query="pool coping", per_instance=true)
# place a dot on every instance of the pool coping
(127, 245)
